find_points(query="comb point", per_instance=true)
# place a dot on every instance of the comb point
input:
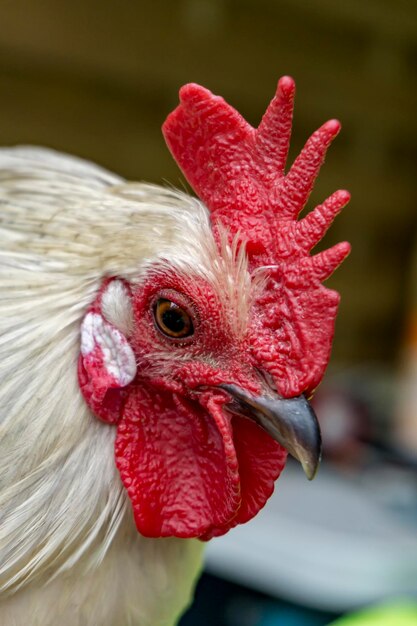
(332, 258)
(286, 86)
(332, 127)
(192, 91)
(343, 195)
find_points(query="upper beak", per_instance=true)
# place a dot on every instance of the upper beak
(291, 422)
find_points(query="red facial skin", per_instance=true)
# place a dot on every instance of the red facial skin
(191, 469)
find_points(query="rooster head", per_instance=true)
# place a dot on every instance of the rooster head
(204, 361)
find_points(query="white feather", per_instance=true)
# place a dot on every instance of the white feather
(117, 307)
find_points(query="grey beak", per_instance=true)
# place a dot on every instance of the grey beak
(291, 422)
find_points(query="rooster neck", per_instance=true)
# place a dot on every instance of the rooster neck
(145, 582)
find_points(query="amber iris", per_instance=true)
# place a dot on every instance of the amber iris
(172, 320)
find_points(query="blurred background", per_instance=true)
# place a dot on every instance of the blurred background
(98, 78)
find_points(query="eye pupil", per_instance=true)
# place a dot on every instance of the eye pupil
(172, 320)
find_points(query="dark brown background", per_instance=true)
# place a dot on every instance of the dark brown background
(98, 78)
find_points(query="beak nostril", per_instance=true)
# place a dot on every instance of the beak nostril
(267, 379)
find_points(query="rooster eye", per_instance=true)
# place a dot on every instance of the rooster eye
(172, 320)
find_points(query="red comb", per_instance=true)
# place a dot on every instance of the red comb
(238, 171)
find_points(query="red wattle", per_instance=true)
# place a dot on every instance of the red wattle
(192, 472)
(180, 471)
(261, 461)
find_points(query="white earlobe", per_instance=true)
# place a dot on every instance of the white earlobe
(103, 342)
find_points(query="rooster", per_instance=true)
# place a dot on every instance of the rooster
(156, 356)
